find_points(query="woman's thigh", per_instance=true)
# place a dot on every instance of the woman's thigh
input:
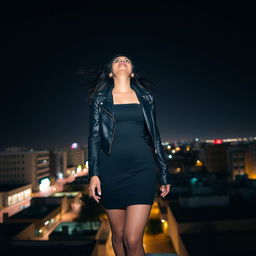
(136, 220)
(116, 219)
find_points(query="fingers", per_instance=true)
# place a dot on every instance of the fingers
(165, 189)
(98, 188)
(92, 192)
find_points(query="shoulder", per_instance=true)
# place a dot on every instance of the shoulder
(98, 96)
(96, 99)
(148, 93)
(150, 97)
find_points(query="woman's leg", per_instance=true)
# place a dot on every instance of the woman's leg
(116, 219)
(135, 223)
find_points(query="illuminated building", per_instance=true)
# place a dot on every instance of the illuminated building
(58, 163)
(20, 165)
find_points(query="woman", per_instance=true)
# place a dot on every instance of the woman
(124, 148)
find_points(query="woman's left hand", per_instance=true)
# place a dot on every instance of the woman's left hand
(165, 189)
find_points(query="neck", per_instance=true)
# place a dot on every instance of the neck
(122, 85)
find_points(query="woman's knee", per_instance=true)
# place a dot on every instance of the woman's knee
(118, 236)
(132, 241)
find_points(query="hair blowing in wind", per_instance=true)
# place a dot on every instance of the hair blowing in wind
(98, 78)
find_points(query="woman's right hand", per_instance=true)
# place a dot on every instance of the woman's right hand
(94, 184)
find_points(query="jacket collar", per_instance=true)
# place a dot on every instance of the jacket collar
(144, 97)
(142, 94)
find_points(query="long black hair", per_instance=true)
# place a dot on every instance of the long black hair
(100, 78)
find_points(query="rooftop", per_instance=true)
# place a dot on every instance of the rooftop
(35, 212)
(9, 230)
(75, 229)
(213, 213)
(5, 188)
(221, 243)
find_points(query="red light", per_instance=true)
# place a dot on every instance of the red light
(218, 141)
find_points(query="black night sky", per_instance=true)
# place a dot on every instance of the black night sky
(200, 56)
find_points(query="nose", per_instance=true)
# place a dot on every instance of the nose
(122, 62)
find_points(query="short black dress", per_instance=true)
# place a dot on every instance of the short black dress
(129, 174)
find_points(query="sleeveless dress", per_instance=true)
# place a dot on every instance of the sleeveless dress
(129, 174)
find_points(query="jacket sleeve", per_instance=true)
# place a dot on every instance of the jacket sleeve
(164, 177)
(94, 138)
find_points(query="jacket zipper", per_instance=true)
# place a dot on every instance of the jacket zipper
(154, 136)
(112, 138)
(113, 130)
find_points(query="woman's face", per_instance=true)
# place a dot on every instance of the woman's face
(120, 65)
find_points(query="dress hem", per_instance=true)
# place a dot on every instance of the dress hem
(123, 207)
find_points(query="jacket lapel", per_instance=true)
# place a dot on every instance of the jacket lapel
(143, 97)
(107, 101)
(146, 105)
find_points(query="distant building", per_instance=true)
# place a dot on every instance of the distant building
(250, 160)
(75, 157)
(216, 157)
(13, 194)
(14, 198)
(236, 159)
(44, 213)
(58, 163)
(19, 165)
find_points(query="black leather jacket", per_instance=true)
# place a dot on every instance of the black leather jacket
(102, 129)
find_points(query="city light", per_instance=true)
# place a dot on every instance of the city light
(74, 146)
(44, 184)
(79, 168)
(199, 163)
(60, 175)
(218, 141)
(232, 140)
